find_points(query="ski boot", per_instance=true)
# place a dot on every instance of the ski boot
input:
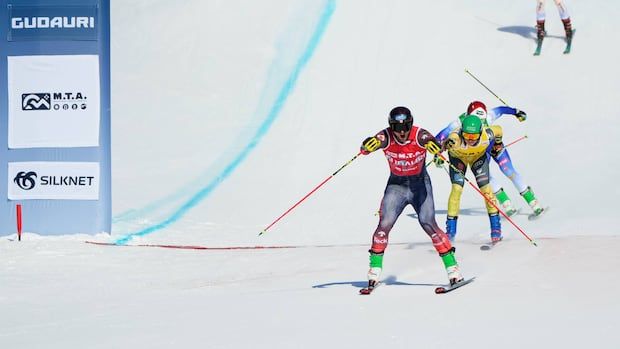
(505, 202)
(531, 200)
(538, 210)
(451, 227)
(509, 210)
(454, 274)
(376, 266)
(496, 228)
(452, 267)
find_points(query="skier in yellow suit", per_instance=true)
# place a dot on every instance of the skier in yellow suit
(472, 145)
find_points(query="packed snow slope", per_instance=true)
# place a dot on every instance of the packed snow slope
(226, 113)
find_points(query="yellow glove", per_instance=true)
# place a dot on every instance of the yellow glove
(433, 147)
(369, 145)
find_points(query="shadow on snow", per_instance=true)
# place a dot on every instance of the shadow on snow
(390, 280)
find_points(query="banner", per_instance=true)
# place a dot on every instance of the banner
(53, 180)
(53, 101)
(55, 156)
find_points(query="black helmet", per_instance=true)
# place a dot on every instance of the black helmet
(400, 119)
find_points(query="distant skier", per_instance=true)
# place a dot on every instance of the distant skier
(502, 159)
(405, 147)
(470, 145)
(540, 19)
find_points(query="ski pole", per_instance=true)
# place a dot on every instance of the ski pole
(487, 199)
(310, 193)
(515, 141)
(485, 86)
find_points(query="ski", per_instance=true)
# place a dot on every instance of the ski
(569, 42)
(449, 288)
(490, 245)
(368, 289)
(534, 216)
(539, 43)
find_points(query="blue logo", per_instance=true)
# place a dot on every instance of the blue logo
(44, 23)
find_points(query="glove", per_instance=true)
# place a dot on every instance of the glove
(438, 161)
(449, 143)
(433, 147)
(497, 148)
(369, 145)
(521, 115)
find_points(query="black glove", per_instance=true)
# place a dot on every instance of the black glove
(448, 143)
(521, 115)
(497, 148)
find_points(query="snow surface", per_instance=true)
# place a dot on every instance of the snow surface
(225, 113)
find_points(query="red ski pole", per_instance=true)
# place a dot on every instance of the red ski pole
(310, 193)
(487, 199)
(433, 148)
(515, 141)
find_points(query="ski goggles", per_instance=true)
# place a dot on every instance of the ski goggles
(398, 127)
(471, 136)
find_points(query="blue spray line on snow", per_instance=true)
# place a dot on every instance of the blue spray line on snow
(262, 130)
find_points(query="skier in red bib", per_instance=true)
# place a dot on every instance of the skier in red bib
(405, 146)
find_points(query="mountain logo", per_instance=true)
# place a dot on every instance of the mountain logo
(36, 101)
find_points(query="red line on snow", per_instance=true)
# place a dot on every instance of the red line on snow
(191, 247)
